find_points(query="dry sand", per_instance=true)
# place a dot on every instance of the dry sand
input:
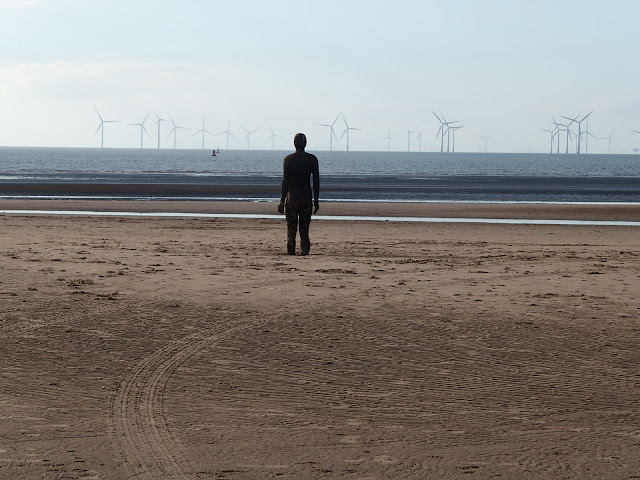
(153, 348)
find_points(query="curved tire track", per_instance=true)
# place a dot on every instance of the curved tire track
(137, 419)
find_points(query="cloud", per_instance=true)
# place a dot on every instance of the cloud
(91, 80)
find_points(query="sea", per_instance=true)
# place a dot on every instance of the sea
(255, 175)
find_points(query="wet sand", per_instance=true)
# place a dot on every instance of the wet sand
(195, 348)
(623, 212)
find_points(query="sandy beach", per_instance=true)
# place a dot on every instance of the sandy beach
(156, 348)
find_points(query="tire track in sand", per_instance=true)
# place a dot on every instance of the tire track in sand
(137, 419)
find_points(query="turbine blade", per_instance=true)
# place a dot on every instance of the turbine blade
(586, 116)
(99, 127)
(94, 107)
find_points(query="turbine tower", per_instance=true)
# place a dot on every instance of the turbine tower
(486, 139)
(610, 141)
(174, 130)
(419, 137)
(202, 131)
(332, 133)
(409, 132)
(453, 135)
(101, 127)
(248, 132)
(441, 131)
(558, 125)
(158, 122)
(551, 132)
(142, 129)
(568, 130)
(389, 140)
(346, 130)
(272, 138)
(228, 132)
(579, 122)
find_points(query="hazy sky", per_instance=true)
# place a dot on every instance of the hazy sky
(502, 67)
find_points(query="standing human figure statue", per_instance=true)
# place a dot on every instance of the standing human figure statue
(298, 200)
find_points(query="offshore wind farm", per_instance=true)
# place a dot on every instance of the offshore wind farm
(571, 135)
(378, 67)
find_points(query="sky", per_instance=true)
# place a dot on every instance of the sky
(501, 68)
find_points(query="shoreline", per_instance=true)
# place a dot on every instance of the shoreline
(538, 211)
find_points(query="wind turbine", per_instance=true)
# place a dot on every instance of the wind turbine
(553, 133)
(409, 132)
(635, 131)
(389, 140)
(228, 132)
(332, 133)
(202, 131)
(609, 139)
(441, 131)
(248, 132)
(419, 137)
(101, 127)
(142, 129)
(158, 122)
(566, 129)
(454, 137)
(273, 139)
(579, 122)
(488, 137)
(346, 130)
(174, 130)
